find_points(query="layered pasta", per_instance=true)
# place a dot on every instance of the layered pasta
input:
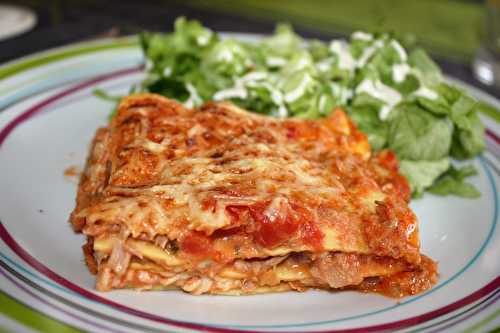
(218, 200)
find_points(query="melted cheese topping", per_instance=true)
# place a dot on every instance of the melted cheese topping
(225, 184)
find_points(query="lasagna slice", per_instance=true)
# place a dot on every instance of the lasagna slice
(218, 200)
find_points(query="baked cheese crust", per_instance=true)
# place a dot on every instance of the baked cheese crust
(220, 200)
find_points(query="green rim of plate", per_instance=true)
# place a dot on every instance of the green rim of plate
(39, 321)
(39, 59)
(30, 317)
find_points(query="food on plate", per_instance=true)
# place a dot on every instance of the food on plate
(219, 200)
(392, 90)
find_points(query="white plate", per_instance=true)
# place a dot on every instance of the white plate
(49, 117)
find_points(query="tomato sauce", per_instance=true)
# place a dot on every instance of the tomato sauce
(196, 244)
(388, 159)
(404, 283)
(296, 222)
(209, 204)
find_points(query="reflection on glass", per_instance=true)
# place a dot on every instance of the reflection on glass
(487, 61)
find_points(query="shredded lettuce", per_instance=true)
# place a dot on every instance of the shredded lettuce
(422, 174)
(415, 134)
(396, 95)
(452, 182)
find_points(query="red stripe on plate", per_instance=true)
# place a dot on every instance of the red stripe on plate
(7, 238)
(38, 107)
(492, 135)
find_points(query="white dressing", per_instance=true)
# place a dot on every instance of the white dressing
(341, 92)
(299, 91)
(202, 40)
(235, 92)
(382, 92)
(194, 99)
(368, 52)
(252, 76)
(276, 95)
(275, 61)
(167, 71)
(400, 71)
(341, 49)
(360, 35)
(400, 50)
(282, 111)
(324, 65)
(426, 92)
(225, 55)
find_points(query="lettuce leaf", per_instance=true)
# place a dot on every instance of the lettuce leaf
(415, 134)
(422, 174)
(453, 183)
(370, 124)
(468, 137)
(430, 72)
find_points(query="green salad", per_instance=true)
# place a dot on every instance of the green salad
(395, 94)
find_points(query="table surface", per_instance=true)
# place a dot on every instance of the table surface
(64, 22)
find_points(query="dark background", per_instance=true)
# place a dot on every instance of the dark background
(63, 22)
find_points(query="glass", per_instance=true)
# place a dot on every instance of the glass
(486, 64)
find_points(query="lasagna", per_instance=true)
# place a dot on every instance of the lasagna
(219, 200)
